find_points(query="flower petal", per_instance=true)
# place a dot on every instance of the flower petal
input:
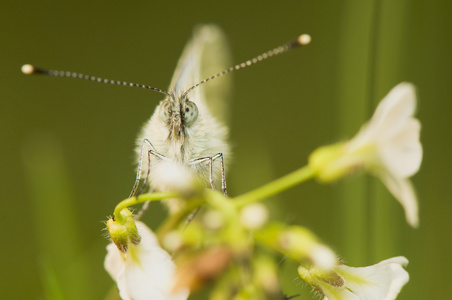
(403, 191)
(148, 239)
(340, 294)
(114, 262)
(381, 281)
(402, 152)
(393, 110)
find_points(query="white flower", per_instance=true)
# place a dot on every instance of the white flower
(387, 146)
(382, 281)
(395, 133)
(254, 216)
(145, 271)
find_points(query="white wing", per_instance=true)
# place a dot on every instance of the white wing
(206, 54)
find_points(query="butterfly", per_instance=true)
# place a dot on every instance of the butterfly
(187, 131)
(186, 135)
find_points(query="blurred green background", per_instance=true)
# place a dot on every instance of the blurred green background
(67, 145)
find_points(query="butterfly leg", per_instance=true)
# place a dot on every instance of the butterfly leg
(211, 159)
(223, 176)
(150, 152)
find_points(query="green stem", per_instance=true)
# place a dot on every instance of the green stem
(141, 199)
(219, 201)
(274, 187)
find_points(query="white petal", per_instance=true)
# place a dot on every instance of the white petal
(115, 265)
(151, 276)
(122, 286)
(336, 293)
(114, 262)
(402, 152)
(403, 191)
(381, 281)
(148, 238)
(393, 110)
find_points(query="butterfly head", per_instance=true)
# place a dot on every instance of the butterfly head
(178, 113)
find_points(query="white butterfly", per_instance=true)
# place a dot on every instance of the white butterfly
(187, 129)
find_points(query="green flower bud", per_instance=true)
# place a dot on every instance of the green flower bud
(123, 231)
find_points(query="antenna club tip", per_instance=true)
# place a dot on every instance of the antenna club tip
(27, 69)
(304, 39)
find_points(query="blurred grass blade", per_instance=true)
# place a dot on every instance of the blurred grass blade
(55, 218)
(354, 83)
(52, 286)
(391, 29)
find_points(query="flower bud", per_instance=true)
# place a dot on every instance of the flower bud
(254, 216)
(124, 231)
(299, 244)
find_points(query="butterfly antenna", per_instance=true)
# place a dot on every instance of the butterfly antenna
(302, 40)
(30, 69)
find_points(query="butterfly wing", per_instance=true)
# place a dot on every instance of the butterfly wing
(206, 54)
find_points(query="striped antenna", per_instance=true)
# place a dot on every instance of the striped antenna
(302, 40)
(30, 69)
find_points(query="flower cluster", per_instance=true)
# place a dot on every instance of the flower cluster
(233, 248)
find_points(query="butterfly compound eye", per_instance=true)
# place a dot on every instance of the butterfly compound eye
(190, 113)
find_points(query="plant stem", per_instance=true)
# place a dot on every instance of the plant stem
(274, 187)
(141, 199)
